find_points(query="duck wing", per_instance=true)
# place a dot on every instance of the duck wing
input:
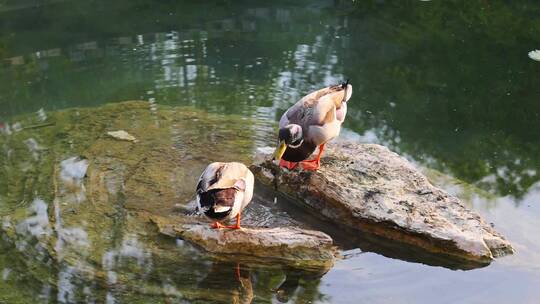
(222, 176)
(316, 108)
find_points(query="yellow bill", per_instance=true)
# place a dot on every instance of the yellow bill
(278, 153)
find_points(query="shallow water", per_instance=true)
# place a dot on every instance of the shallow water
(447, 84)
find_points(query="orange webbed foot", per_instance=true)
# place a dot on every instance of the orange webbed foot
(287, 164)
(233, 227)
(217, 225)
(311, 165)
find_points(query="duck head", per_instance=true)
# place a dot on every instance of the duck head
(289, 136)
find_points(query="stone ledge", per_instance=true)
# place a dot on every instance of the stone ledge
(292, 246)
(368, 188)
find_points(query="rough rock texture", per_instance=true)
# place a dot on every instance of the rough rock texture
(369, 188)
(290, 245)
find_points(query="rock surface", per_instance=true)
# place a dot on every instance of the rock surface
(122, 135)
(292, 246)
(368, 188)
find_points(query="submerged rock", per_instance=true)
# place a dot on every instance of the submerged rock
(292, 246)
(76, 203)
(368, 188)
(122, 135)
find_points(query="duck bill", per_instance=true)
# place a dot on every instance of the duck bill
(278, 153)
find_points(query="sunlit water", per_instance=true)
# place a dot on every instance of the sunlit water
(447, 84)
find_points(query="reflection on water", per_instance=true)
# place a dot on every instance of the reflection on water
(209, 67)
(447, 84)
(72, 172)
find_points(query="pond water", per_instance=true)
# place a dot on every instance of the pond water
(447, 84)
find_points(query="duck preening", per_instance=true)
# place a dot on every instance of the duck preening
(223, 191)
(310, 123)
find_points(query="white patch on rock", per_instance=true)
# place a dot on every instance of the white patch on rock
(38, 223)
(132, 248)
(73, 170)
(74, 238)
(66, 288)
(122, 135)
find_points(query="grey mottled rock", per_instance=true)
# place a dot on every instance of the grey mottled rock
(289, 245)
(369, 188)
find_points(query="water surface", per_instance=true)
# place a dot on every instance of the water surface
(448, 84)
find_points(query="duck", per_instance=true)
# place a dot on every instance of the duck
(310, 123)
(223, 191)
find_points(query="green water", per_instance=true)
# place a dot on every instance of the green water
(448, 84)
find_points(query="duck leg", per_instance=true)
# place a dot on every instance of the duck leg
(287, 164)
(218, 225)
(313, 164)
(237, 226)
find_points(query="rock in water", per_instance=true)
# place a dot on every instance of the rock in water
(122, 135)
(368, 188)
(293, 246)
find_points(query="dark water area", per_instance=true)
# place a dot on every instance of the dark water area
(447, 84)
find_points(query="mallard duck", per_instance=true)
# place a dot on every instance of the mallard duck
(223, 191)
(310, 123)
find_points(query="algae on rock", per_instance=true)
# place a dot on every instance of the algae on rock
(97, 228)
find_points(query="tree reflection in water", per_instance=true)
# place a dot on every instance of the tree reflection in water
(446, 83)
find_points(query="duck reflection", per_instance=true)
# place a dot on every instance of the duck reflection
(287, 288)
(244, 291)
(232, 279)
(242, 282)
(298, 281)
(72, 172)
